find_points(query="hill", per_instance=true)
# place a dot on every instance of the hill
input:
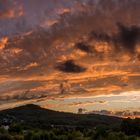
(33, 115)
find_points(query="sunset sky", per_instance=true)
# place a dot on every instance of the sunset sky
(70, 54)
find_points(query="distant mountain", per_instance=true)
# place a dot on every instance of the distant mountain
(33, 115)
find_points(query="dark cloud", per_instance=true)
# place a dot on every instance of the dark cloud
(83, 47)
(69, 66)
(128, 37)
(125, 39)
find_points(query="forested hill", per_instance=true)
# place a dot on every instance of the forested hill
(36, 116)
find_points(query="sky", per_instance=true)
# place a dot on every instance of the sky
(65, 55)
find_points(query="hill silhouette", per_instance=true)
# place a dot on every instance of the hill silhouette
(33, 115)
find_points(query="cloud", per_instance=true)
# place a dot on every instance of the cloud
(49, 23)
(15, 51)
(30, 66)
(85, 103)
(83, 47)
(128, 37)
(27, 95)
(10, 9)
(62, 11)
(99, 36)
(81, 35)
(124, 113)
(69, 66)
(3, 42)
(125, 40)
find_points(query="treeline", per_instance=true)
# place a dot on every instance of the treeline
(129, 130)
(59, 134)
(131, 126)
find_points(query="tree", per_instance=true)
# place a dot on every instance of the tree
(28, 136)
(18, 137)
(36, 137)
(15, 128)
(5, 137)
(131, 126)
(112, 136)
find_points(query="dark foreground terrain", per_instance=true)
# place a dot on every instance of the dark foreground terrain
(32, 122)
(36, 116)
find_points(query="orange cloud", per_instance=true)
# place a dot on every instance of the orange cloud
(3, 42)
(12, 13)
(63, 11)
(107, 72)
(103, 47)
(49, 23)
(31, 65)
(11, 9)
